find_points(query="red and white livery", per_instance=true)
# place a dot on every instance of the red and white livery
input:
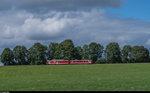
(55, 62)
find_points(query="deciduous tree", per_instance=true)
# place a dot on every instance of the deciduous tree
(113, 54)
(37, 54)
(95, 51)
(85, 53)
(78, 53)
(126, 53)
(139, 54)
(7, 57)
(51, 50)
(67, 49)
(20, 55)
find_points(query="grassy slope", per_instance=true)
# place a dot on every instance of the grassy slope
(100, 77)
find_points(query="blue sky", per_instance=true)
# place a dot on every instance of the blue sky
(24, 22)
(138, 9)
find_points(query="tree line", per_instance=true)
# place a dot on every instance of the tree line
(38, 53)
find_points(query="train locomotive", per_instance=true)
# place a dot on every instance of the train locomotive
(61, 62)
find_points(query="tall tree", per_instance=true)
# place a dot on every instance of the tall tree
(139, 54)
(95, 51)
(51, 50)
(78, 53)
(113, 54)
(126, 53)
(67, 49)
(7, 57)
(32, 54)
(58, 52)
(37, 53)
(20, 55)
(85, 53)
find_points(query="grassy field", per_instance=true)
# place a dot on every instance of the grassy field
(95, 77)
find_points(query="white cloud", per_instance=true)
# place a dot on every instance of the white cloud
(83, 27)
(47, 28)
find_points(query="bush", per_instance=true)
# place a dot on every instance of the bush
(101, 61)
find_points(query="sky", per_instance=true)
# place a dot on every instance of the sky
(137, 9)
(25, 22)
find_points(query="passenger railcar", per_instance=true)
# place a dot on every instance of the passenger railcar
(55, 62)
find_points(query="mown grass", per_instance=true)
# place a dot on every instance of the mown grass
(95, 77)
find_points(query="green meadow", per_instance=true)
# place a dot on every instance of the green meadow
(94, 77)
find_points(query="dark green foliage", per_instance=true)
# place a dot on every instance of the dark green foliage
(85, 53)
(37, 54)
(126, 53)
(7, 57)
(101, 61)
(20, 55)
(95, 51)
(51, 50)
(67, 49)
(58, 52)
(32, 56)
(139, 54)
(78, 53)
(113, 54)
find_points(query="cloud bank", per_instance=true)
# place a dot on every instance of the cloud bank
(58, 5)
(20, 26)
(83, 27)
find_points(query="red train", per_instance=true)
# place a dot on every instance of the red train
(55, 62)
